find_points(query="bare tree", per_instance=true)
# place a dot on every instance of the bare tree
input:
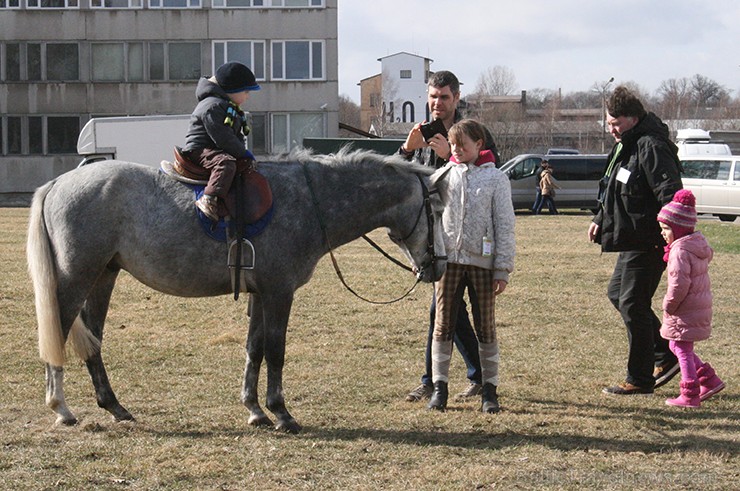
(674, 96)
(497, 80)
(349, 114)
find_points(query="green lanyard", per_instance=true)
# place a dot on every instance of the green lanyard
(614, 160)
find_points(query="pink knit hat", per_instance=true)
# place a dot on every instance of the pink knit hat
(680, 214)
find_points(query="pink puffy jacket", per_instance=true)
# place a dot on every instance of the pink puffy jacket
(687, 305)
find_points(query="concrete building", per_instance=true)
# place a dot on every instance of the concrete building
(397, 94)
(63, 62)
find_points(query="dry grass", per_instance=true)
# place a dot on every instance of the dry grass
(176, 364)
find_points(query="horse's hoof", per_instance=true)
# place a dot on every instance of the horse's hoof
(259, 420)
(290, 426)
(65, 421)
(122, 415)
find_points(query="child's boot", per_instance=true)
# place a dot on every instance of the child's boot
(709, 381)
(689, 395)
(438, 401)
(489, 399)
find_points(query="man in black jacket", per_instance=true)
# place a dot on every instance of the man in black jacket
(642, 174)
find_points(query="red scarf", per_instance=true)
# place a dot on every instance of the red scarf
(485, 157)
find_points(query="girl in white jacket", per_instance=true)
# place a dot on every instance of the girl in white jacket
(478, 228)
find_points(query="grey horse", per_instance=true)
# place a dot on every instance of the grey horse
(90, 223)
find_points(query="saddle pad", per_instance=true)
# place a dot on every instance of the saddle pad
(219, 231)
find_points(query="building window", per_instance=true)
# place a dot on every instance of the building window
(289, 129)
(257, 138)
(13, 62)
(251, 53)
(405, 73)
(53, 61)
(116, 4)
(174, 61)
(15, 135)
(10, 4)
(53, 4)
(268, 3)
(62, 133)
(58, 134)
(184, 61)
(298, 60)
(35, 135)
(174, 4)
(107, 62)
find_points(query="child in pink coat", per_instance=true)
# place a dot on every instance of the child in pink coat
(687, 305)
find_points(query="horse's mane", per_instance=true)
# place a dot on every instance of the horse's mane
(348, 157)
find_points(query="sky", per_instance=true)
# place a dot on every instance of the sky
(571, 45)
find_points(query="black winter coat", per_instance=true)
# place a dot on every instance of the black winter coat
(207, 123)
(629, 205)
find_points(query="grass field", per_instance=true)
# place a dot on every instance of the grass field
(177, 363)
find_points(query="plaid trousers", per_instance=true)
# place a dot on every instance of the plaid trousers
(449, 291)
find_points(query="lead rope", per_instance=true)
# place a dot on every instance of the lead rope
(331, 250)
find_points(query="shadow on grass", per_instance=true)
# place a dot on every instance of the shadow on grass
(656, 431)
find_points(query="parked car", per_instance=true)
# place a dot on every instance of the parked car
(693, 142)
(577, 175)
(715, 181)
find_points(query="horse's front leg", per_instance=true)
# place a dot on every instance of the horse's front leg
(276, 309)
(255, 354)
(55, 395)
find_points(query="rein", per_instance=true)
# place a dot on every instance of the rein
(430, 221)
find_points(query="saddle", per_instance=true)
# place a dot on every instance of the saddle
(256, 189)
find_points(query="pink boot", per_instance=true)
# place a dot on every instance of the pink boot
(689, 395)
(709, 381)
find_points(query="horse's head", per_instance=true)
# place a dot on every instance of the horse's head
(424, 245)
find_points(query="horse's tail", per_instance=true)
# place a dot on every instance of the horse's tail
(42, 268)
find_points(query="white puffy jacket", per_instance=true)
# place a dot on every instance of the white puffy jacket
(477, 203)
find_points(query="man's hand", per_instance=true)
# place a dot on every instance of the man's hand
(414, 140)
(441, 146)
(593, 231)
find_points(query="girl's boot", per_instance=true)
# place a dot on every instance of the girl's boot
(438, 400)
(689, 395)
(441, 354)
(489, 399)
(709, 381)
(489, 358)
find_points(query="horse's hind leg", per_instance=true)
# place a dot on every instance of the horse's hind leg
(255, 354)
(55, 395)
(93, 315)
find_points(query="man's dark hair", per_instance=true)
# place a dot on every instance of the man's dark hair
(443, 79)
(624, 103)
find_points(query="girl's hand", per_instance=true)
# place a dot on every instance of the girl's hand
(499, 286)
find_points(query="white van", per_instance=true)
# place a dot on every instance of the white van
(693, 142)
(577, 175)
(715, 181)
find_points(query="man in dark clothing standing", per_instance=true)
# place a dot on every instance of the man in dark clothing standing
(642, 174)
(443, 96)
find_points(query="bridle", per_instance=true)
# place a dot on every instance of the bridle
(432, 257)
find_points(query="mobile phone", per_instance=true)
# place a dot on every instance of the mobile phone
(428, 130)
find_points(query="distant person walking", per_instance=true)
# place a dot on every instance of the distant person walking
(687, 305)
(547, 190)
(642, 175)
(537, 205)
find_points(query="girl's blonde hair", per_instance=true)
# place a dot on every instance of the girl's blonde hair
(470, 127)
